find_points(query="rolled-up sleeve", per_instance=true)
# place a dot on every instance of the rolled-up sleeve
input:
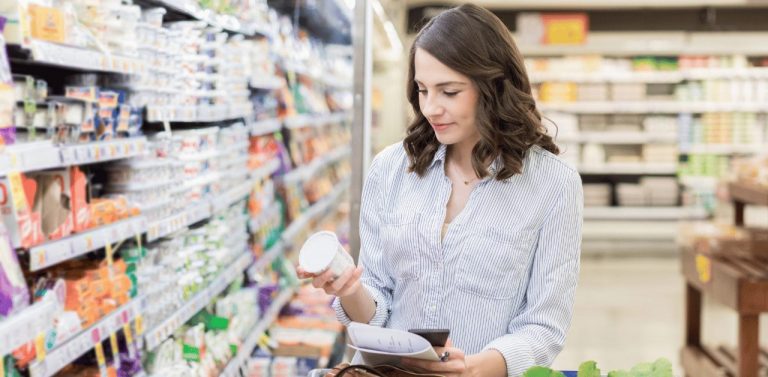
(375, 278)
(536, 336)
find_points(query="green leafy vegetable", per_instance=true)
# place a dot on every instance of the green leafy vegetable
(589, 369)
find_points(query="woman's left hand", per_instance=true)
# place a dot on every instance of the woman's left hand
(454, 366)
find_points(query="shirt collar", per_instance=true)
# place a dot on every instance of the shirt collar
(439, 155)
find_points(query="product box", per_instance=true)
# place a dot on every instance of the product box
(47, 23)
(54, 197)
(81, 214)
(7, 96)
(14, 294)
(20, 217)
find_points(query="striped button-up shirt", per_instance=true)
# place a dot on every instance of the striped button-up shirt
(503, 277)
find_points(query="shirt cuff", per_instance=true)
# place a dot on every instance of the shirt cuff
(517, 354)
(380, 317)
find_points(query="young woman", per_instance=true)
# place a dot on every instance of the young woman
(472, 223)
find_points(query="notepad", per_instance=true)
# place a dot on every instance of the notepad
(378, 345)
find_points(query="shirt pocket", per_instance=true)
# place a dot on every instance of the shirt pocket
(403, 244)
(493, 264)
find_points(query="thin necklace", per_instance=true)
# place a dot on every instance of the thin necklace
(466, 182)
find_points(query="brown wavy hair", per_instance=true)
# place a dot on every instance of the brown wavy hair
(474, 42)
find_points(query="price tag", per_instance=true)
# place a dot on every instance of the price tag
(40, 259)
(129, 339)
(115, 350)
(704, 268)
(89, 242)
(139, 325)
(138, 240)
(100, 359)
(96, 153)
(128, 333)
(110, 259)
(40, 346)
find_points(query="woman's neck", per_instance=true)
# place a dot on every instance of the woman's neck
(460, 155)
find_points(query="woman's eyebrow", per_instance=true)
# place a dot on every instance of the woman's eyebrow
(443, 83)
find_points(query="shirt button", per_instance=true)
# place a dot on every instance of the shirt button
(433, 308)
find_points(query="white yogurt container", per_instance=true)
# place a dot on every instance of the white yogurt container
(322, 251)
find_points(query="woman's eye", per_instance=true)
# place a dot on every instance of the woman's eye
(422, 91)
(451, 94)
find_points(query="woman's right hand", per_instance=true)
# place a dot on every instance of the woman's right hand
(347, 284)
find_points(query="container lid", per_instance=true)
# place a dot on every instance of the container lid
(318, 251)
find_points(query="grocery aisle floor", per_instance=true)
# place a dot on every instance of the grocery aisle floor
(630, 310)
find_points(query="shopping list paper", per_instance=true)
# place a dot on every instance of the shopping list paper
(379, 345)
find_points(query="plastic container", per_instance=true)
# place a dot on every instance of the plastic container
(322, 251)
(153, 16)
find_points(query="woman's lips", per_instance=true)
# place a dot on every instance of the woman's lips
(441, 126)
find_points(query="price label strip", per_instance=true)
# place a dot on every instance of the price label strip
(99, 349)
(129, 340)
(139, 325)
(115, 350)
(40, 347)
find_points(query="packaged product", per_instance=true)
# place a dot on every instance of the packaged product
(21, 219)
(54, 198)
(14, 294)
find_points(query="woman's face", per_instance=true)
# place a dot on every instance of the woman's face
(447, 99)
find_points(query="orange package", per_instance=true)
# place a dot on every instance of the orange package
(80, 213)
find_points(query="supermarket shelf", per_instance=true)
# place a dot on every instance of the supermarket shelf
(726, 73)
(317, 209)
(644, 213)
(267, 83)
(625, 230)
(265, 127)
(190, 9)
(206, 208)
(307, 120)
(609, 137)
(616, 77)
(25, 325)
(234, 366)
(748, 193)
(264, 215)
(650, 47)
(267, 170)
(629, 169)
(197, 114)
(266, 259)
(178, 221)
(722, 149)
(64, 354)
(703, 182)
(26, 157)
(157, 335)
(239, 192)
(54, 252)
(77, 58)
(716, 361)
(650, 107)
(651, 77)
(103, 151)
(306, 172)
